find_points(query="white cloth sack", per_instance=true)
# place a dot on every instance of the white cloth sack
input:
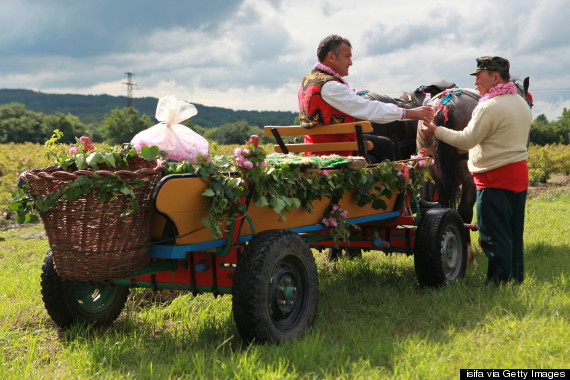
(178, 141)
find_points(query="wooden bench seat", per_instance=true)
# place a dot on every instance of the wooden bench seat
(358, 128)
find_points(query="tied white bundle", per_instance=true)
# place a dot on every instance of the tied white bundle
(178, 141)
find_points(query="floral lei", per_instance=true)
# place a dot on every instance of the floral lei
(326, 69)
(499, 89)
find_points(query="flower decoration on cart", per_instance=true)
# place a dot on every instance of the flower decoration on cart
(287, 182)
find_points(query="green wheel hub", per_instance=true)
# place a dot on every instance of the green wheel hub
(94, 298)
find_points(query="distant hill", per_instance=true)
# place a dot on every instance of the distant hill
(93, 108)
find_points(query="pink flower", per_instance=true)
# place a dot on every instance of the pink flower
(325, 222)
(248, 164)
(333, 222)
(240, 160)
(238, 152)
(73, 150)
(325, 172)
(404, 172)
(262, 164)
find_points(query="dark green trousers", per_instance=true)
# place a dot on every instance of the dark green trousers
(500, 214)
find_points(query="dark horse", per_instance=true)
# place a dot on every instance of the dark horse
(453, 182)
(403, 132)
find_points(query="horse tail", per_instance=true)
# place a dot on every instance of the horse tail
(445, 159)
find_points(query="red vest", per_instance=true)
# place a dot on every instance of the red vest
(314, 111)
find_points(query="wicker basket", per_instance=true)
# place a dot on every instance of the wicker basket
(89, 239)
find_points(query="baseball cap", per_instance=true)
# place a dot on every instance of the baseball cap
(487, 62)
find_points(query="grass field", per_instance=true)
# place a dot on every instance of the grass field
(373, 320)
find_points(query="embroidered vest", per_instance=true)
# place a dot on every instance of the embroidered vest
(314, 111)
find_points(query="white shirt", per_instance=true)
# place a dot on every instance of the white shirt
(341, 97)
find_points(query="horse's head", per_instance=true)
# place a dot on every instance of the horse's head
(419, 95)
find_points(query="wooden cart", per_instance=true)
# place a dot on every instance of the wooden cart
(265, 262)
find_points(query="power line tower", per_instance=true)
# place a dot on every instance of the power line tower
(130, 84)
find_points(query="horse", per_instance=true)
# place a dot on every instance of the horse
(453, 185)
(402, 133)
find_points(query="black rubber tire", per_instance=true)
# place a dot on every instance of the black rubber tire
(275, 291)
(80, 303)
(440, 254)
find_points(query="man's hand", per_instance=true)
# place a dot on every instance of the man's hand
(424, 113)
(428, 129)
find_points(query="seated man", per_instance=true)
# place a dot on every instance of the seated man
(326, 98)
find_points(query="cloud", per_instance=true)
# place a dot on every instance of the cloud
(251, 54)
(77, 29)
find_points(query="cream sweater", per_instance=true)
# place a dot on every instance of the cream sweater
(497, 134)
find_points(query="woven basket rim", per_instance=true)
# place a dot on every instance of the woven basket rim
(56, 172)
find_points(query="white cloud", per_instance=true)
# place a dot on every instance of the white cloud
(251, 54)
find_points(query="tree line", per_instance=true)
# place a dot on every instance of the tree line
(93, 108)
(19, 125)
(544, 132)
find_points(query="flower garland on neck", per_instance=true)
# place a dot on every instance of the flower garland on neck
(499, 89)
(326, 69)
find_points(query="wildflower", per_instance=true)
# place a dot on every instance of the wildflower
(404, 172)
(87, 144)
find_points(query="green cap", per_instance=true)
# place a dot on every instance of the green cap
(486, 62)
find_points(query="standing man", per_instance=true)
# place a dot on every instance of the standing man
(496, 138)
(326, 98)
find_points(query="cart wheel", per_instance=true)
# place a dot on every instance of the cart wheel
(275, 288)
(440, 254)
(333, 253)
(77, 302)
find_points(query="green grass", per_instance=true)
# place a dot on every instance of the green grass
(373, 320)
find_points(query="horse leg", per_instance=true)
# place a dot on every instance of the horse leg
(466, 204)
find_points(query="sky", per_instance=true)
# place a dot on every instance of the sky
(252, 54)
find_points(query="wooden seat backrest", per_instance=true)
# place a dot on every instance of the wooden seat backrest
(358, 127)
